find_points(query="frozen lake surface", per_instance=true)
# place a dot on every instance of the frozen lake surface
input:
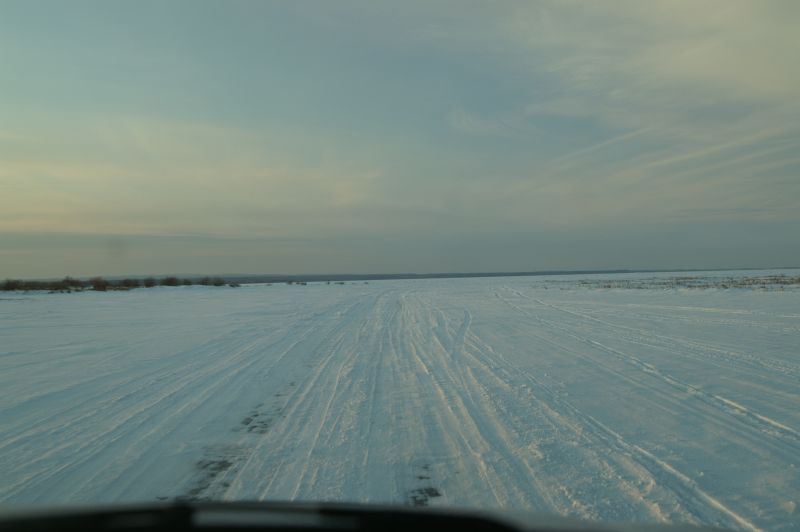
(538, 393)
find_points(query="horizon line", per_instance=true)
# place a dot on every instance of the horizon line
(281, 277)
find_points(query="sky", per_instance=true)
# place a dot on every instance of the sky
(199, 137)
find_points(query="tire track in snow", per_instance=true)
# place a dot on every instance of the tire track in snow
(574, 466)
(176, 364)
(398, 396)
(651, 338)
(300, 427)
(694, 498)
(242, 449)
(782, 439)
(131, 413)
(477, 428)
(583, 465)
(125, 423)
(763, 423)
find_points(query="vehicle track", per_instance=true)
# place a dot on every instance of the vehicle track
(424, 394)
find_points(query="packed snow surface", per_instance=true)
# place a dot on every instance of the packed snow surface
(546, 394)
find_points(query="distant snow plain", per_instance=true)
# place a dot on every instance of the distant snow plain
(547, 394)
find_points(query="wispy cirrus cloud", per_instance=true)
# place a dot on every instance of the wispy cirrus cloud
(504, 126)
(689, 104)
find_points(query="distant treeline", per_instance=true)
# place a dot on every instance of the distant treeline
(69, 284)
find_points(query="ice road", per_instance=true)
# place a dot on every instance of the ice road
(543, 394)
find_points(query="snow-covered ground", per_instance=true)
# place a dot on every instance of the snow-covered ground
(538, 393)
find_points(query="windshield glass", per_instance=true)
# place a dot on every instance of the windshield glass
(459, 254)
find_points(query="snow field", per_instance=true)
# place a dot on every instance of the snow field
(645, 405)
